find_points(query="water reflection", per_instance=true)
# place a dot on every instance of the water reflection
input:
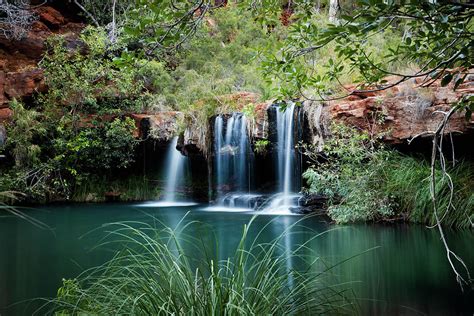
(405, 273)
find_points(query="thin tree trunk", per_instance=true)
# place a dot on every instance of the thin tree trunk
(333, 11)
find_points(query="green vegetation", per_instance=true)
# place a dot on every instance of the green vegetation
(366, 182)
(156, 274)
(127, 188)
(51, 157)
(261, 146)
(429, 40)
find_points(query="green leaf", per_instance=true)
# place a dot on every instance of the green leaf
(446, 79)
(468, 115)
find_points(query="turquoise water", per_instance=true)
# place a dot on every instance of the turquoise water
(407, 272)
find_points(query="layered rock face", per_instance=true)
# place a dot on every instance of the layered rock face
(20, 76)
(398, 114)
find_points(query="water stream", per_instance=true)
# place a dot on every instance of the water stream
(233, 163)
(175, 162)
(175, 167)
(288, 170)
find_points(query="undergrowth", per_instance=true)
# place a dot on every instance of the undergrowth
(366, 181)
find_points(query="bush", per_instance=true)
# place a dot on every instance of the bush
(365, 182)
(102, 146)
(86, 78)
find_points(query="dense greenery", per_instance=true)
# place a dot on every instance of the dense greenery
(367, 182)
(431, 38)
(156, 274)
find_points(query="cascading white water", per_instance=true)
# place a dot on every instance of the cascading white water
(175, 163)
(175, 167)
(233, 164)
(288, 169)
(233, 160)
(231, 147)
(286, 147)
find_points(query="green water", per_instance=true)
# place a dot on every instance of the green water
(407, 274)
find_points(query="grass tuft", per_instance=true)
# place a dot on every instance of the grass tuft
(170, 271)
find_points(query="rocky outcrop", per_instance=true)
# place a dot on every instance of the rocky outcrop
(20, 76)
(161, 126)
(397, 114)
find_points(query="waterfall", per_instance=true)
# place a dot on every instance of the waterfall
(233, 164)
(233, 160)
(175, 166)
(287, 162)
(285, 149)
(175, 163)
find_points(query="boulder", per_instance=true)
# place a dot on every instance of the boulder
(23, 84)
(5, 115)
(50, 16)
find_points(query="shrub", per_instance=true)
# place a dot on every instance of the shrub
(83, 78)
(365, 182)
(24, 132)
(261, 146)
(102, 146)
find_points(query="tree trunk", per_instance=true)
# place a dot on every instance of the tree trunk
(333, 11)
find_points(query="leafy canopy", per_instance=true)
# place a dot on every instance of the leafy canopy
(437, 37)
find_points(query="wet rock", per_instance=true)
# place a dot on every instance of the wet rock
(3, 135)
(310, 203)
(313, 199)
(259, 124)
(300, 210)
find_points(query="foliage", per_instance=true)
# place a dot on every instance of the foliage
(51, 156)
(349, 175)
(156, 274)
(83, 80)
(127, 188)
(365, 182)
(25, 130)
(222, 58)
(101, 11)
(102, 146)
(435, 35)
(261, 146)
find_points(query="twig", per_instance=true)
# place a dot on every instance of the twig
(87, 13)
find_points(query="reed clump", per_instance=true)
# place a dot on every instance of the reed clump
(168, 271)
